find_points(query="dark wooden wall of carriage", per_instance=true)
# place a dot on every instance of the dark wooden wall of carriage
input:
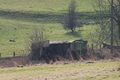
(62, 51)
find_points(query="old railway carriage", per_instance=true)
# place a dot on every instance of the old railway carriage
(72, 50)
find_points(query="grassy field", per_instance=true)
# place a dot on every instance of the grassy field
(44, 5)
(21, 31)
(100, 70)
(18, 19)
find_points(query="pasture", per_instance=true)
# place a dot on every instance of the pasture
(21, 31)
(57, 6)
(98, 70)
(18, 19)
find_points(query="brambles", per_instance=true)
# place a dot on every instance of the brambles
(37, 41)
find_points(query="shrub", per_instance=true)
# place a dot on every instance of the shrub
(37, 41)
(70, 21)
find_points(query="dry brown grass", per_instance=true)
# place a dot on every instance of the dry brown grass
(100, 70)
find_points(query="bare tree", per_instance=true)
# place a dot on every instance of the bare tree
(116, 17)
(109, 21)
(102, 32)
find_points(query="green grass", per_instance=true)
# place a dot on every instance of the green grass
(44, 5)
(19, 18)
(100, 70)
(21, 31)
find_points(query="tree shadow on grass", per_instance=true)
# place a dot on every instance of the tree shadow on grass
(74, 34)
(46, 17)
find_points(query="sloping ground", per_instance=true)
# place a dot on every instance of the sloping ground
(14, 61)
(44, 5)
(100, 70)
(18, 18)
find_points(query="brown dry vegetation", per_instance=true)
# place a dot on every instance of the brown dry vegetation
(98, 70)
(14, 61)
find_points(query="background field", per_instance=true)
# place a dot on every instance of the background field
(19, 18)
(102, 70)
(44, 5)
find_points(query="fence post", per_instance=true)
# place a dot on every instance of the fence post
(0, 55)
(93, 49)
(13, 54)
(92, 46)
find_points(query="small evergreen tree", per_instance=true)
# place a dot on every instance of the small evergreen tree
(70, 18)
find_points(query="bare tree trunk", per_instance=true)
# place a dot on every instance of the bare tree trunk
(111, 15)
